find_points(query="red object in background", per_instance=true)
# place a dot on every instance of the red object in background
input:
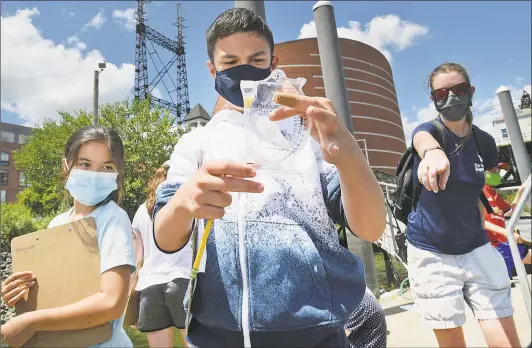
(497, 202)
(504, 166)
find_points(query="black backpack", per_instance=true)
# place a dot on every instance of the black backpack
(408, 189)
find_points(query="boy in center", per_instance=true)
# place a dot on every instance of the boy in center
(275, 274)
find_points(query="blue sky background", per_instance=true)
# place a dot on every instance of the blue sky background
(492, 39)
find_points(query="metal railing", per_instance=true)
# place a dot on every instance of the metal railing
(392, 225)
(525, 285)
(519, 266)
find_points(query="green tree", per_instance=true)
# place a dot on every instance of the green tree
(17, 220)
(148, 136)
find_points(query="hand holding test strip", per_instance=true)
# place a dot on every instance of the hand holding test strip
(324, 125)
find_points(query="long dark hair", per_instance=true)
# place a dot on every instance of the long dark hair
(115, 145)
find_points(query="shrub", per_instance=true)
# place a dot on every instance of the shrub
(16, 220)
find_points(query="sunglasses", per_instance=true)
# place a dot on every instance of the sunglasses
(443, 93)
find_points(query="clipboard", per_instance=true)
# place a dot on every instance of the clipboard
(66, 263)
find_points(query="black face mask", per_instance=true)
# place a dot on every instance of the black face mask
(455, 107)
(227, 82)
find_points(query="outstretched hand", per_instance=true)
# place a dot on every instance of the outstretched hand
(434, 164)
(324, 125)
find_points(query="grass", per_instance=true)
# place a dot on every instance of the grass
(381, 272)
(140, 340)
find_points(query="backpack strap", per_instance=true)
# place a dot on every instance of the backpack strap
(485, 202)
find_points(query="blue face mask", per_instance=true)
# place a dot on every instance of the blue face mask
(90, 188)
(227, 82)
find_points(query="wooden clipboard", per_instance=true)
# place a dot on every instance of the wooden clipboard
(66, 263)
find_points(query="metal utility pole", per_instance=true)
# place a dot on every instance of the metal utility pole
(335, 89)
(101, 66)
(255, 6)
(514, 131)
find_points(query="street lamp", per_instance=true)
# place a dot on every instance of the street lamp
(101, 66)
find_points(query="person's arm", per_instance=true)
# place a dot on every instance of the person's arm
(172, 225)
(362, 197)
(487, 225)
(109, 304)
(139, 246)
(433, 162)
(520, 193)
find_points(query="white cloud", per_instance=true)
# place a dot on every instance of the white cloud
(65, 12)
(40, 77)
(156, 92)
(75, 41)
(485, 111)
(126, 18)
(96, 22)
(382, 32)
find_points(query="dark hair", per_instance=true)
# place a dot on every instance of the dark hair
(156, 180)
(454, 67)
(115, 145)
(237, 20)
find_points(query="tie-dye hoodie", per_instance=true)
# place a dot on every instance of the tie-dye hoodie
(273, 262)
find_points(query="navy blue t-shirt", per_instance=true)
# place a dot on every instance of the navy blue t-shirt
(449, 221)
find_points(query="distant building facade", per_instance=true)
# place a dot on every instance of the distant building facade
(500, 132)
(197, 117)
(12, 181)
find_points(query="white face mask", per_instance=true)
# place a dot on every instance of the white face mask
(89, 187)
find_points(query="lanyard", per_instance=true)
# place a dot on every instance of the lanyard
(197, 254)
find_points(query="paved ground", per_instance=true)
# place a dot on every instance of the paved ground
(405, 329)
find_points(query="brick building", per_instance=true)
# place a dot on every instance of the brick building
(12, 181)
(374, 108)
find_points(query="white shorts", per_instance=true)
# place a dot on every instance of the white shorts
(442, 283)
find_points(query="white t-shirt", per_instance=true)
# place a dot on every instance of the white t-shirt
(159, 267)
(115, 242)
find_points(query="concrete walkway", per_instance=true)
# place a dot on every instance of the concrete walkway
(405, 329)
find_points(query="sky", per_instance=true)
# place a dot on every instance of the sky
(49, 50)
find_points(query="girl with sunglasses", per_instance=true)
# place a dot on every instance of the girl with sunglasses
(450, 259)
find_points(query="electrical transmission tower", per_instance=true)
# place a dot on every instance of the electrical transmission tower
(179, 106)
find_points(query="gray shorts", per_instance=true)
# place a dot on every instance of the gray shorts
(367, 324)
(443, 284)
(161, 306)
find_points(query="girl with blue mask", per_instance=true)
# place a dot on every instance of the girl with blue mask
(93, 166)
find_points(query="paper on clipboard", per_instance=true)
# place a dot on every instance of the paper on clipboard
(66, 262)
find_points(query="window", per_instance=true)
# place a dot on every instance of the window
(4, 158)
(3, 195)
(23, 139)
(22, 180)
(7, 136)
(504, 133)
(3, 177)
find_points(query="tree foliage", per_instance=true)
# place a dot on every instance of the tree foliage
(148, 136)
(17, 220)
